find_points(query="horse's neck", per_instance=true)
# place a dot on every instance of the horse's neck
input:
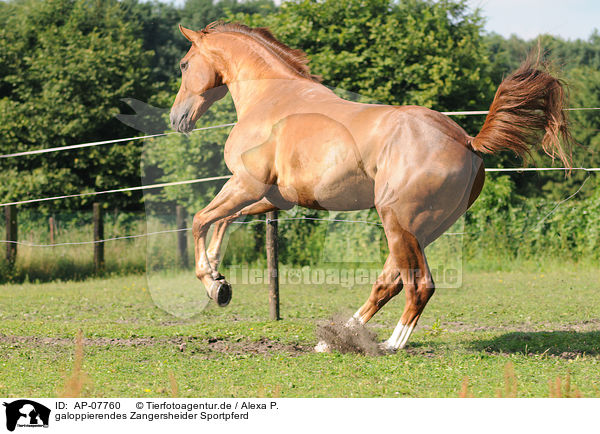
(271, 93)
(253, 74)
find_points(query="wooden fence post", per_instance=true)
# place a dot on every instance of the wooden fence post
(182, 255)
(52, 225)
(273, 265)
(12, 234)
(98, 235)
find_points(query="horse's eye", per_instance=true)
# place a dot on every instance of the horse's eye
(183, 66)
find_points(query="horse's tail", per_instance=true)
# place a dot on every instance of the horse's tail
(528, 106)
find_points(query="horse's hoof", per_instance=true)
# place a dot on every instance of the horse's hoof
(220, 291)
(322, 347)
(385, 348)
(224, 293)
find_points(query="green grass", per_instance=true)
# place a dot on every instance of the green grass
(546, 324)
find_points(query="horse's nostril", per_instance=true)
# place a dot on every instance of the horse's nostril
(173, 119)
(179, 122)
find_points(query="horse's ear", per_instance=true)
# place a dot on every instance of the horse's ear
(190, 35)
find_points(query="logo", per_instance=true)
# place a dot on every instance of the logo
(26, 413)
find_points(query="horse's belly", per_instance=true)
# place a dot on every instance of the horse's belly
(319, 165)
(331, 190)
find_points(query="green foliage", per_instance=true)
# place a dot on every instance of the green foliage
(585, 89)
(196, 14)
(577, 63)
(504, 226)
(410, 52)
(66, 64)
(157, 23)
(75, 262)
(495, 199)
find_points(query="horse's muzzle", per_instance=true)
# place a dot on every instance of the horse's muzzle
(181, 121)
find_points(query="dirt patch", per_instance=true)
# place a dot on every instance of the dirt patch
(128, 342)
(190, 344)
(427, 352)
(349, 338)
(263, 346)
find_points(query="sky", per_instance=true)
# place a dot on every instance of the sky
(570, 19)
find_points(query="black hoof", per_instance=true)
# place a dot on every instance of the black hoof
(224, 294)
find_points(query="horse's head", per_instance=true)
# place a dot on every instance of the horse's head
(201, 84)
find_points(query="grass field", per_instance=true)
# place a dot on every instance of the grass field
(541, 326)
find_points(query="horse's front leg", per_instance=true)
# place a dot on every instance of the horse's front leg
(233, 197)
(220, 228)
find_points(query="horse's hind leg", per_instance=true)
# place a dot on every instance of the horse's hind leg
(387, 285)
(411, 264)
(390, 281)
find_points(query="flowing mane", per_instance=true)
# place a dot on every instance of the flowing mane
(295, 59)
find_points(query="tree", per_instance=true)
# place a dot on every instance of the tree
(158, 24)
(196, 14)
(409, 52)
(577, 63)
(65, 66)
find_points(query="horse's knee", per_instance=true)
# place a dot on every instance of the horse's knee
(199, 226)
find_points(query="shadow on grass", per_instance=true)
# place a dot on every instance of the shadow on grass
(566, 344)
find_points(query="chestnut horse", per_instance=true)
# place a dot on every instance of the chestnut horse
(297, 143)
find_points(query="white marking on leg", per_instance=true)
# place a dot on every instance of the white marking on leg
(404, 340)
(359, 318)
(399, 337)
(354, 320)
(391, 343)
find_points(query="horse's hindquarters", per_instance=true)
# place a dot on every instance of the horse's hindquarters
(428, 177)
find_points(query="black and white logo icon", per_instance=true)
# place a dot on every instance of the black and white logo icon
(26, 413)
